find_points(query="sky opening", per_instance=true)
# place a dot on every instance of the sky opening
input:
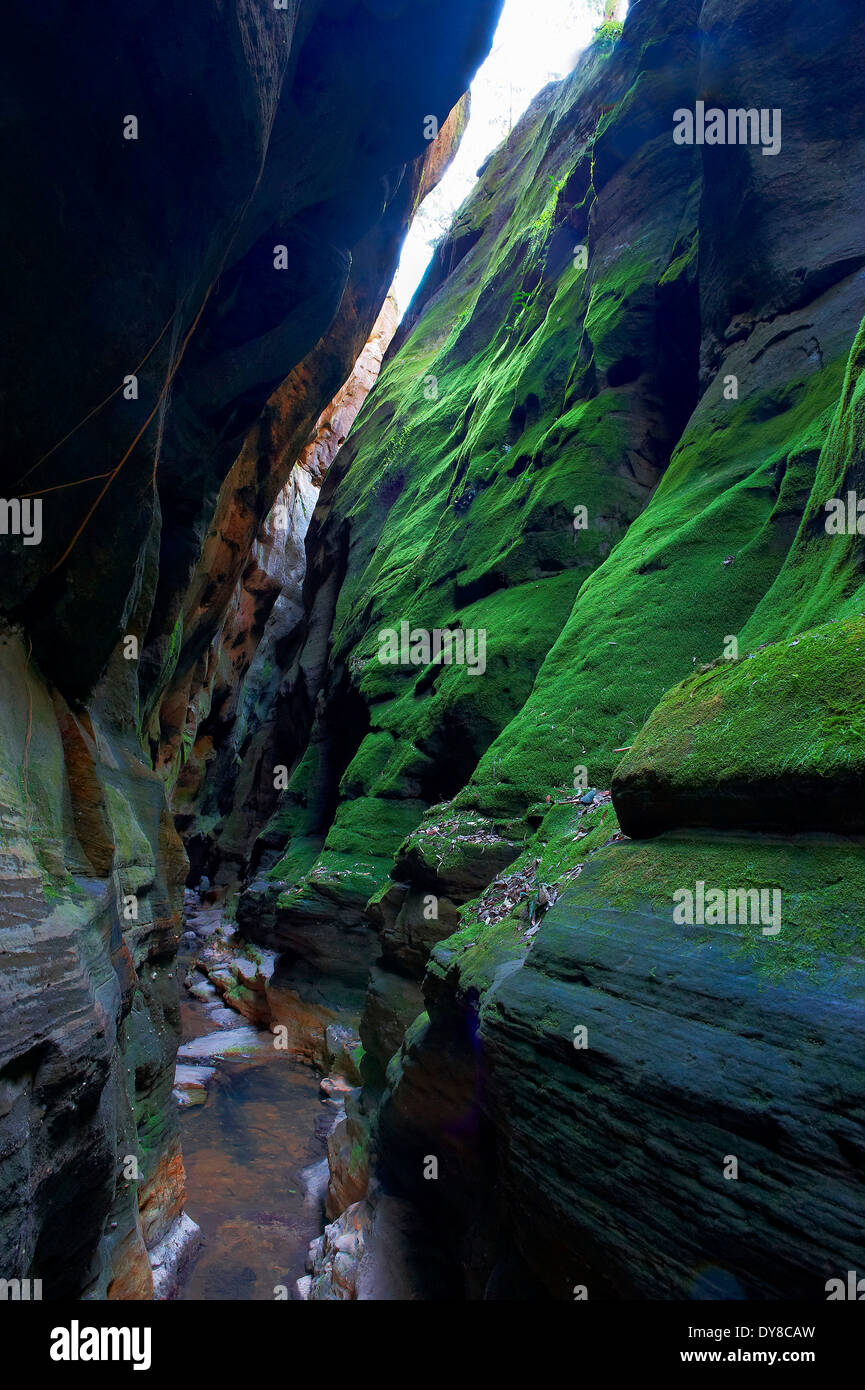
(536, 42)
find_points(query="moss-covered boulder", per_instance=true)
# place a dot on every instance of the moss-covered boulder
(773, 741)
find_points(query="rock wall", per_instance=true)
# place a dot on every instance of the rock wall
(605, 436)
(92, 871)
(221, 724)
(204, 211)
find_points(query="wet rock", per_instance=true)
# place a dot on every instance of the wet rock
(172, 1254)
(81, 987)
(334, 1258)
(238, 735)
(315, 1179)
(335, 1087)
(231, 1042)
(371, 1253)
(348, 1156)
(392, 1003)
(691, 1057)
(220, 1016)
(191, 1083)
(202, 989)
(343, 1049)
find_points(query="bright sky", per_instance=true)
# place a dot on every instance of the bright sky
(537, 41)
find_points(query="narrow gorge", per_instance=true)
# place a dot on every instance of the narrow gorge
(432, 737)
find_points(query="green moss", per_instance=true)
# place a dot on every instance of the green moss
(174, 645)
(821, 881)
(568, 836)
(132, 847)
(237, 995)
(609, 32)
(631, 280)
(665, 601)
(821, 576)
(339, 877)
(412, 1039)
(684, 263)
(298, 859)
(797, 707)
(457, 500)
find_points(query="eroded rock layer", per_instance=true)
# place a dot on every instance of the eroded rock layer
(605, 438)
(592, 889)
(204, 208)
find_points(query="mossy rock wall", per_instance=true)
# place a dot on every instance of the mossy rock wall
(697, 388)
(772, 741)
(523, 387)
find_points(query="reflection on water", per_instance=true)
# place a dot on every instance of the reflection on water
(244, 1151)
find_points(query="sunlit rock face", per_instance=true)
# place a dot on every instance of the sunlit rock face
(204, 218)
(606, 434)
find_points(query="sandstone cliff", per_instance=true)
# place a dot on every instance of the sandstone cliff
(693, 382)
(604, 436)
(204, 210)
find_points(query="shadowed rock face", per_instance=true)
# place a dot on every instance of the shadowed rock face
(155, 257)
(229, 701)
(696, 384)
(691, 1059)
(89, 1002)
(243, 145)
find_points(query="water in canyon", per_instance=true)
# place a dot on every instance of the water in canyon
(245, 1150)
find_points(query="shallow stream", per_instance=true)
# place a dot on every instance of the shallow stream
(244, 1151)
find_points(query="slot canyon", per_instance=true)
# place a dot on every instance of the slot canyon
(432, 735)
